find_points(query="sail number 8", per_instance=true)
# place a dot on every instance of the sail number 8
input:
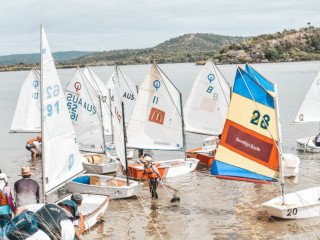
(255, 119)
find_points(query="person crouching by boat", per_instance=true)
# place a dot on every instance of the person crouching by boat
(6, 204)
(27, 190)
(33, 145)
(152, 174)
(79, 220)
(316, 140)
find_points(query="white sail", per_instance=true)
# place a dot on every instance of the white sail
(207, 106)
(128, 92)
(61, 157)
(84, 107)
(103, 93)
(27, 117)
(156, 120)
(117, 120)
(310, 107)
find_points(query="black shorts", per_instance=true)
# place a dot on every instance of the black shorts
(28, 146)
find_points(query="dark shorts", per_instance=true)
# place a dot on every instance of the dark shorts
(28, 146)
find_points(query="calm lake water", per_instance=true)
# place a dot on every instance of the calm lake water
(210, 208)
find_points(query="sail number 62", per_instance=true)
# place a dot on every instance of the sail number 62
(256, 118)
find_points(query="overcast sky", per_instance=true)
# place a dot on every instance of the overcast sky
(98, 25)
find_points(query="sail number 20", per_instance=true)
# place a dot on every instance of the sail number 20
(255, 119)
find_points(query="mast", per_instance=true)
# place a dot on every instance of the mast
(183, 129)
(125, 142)
(102, 125)
(279, 145)
(42, 125)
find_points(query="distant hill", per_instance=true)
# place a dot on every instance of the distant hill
(288, 45)
(186, 48)
(35, 57)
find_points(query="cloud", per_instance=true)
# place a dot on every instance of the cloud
(118, 24)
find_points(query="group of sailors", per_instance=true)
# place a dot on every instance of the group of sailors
(26, 217)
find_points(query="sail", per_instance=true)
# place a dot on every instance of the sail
(117, 120)
(27, 117)
(156, 120)
(207, 106)
(128, 91)
(310, 107)
(248, 146)
(255, 75)
(61, 157)
(103, 93)
(83, 104)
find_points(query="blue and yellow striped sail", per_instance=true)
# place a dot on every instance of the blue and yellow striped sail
(248, 146)
(255, 75)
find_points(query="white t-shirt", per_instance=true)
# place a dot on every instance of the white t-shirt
(37, 147)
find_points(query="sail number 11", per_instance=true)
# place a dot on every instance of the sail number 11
(256, 118)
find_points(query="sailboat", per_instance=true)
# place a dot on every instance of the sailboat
(157, 124)
(115, 186)
(85, 106)
(27, 115)
(61, 159)
(206, 110)
(290, 161)
(309, 112)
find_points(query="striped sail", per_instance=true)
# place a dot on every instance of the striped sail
(156, 120)
(27, 117)
(248, 147)
(207, 106)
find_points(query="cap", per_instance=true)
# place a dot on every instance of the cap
(39, 138)
(147, 159)
(25, 171)
(76, 197)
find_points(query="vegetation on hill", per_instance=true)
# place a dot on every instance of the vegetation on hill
(289, 45)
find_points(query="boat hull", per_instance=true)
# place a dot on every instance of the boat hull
(114, 186)
(107, 165)
(203, 157)
(169, 168)
(92, 208)
(306, 144)
(301, 204)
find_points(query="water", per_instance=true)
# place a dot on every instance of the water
(210, 208)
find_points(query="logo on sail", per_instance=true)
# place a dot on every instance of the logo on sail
(71, 161)
(156, 84)
(35, 84)
(77, 86)
(156, 116)
(211, 77)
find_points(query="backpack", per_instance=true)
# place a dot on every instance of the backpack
(49, 218)
(22, 226)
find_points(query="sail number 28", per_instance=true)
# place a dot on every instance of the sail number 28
(255, 119)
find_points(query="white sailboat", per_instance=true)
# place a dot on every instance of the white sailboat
(86, 112)
(61, 159)
(309, 112)
(114, 186)
(206, 110)
(157, 124)
(27, 115)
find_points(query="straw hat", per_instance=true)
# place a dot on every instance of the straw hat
(147, 159)
(25, 171)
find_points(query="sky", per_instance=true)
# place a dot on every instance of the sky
(102, 25)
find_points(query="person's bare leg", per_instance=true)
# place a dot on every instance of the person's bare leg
(33, 153)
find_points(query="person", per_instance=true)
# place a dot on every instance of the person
(27, 190)
(152, 174)
(79, 221)
(31, 146)
(6, 204)
(317, 140)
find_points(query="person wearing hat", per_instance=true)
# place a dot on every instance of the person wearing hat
(6, 204)
(34, 146)
(152, 174)
(27, 190)
(79, 220)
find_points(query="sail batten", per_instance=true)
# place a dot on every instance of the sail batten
(248, 147)
(207, 105)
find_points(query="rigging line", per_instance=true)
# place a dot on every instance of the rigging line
(255, 103)
(125, 79)
(214, 69)
(253, 74)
